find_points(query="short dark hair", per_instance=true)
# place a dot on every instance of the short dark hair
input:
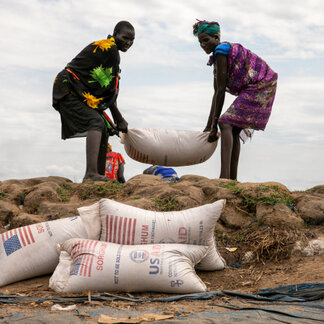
(121, 25)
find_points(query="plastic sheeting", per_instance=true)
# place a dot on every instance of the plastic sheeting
(301, 303)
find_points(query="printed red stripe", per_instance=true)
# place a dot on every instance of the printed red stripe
(21, 236)
(73, 251)
(7, 235)
(77, 254)
(87, 257)
(119, 228)
(134, 228)
(15, 231)
(94, 247)
(81, 254)
(110, 227)
(107, 220)
(124, 231)
(84, 255)
(3, 237)
(30, 233)
(129, 229)
(26, 234)
(131, 150)
(90, 257)
(115, 228)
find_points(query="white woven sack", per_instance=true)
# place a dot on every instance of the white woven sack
(167, 147)
(126, 224)
(30, 251)
(102, 266)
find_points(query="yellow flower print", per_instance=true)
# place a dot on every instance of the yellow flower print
(104, 44)
(91, 100)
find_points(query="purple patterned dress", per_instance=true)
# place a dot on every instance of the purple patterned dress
(253, 82)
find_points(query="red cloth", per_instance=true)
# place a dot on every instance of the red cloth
(113, 160)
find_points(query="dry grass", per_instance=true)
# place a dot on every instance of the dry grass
(273, 244)
(266, 243)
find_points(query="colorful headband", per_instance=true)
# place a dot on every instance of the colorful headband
(203, 26)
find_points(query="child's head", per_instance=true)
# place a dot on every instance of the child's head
(109, 149)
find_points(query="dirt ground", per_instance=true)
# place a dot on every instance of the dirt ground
(263, 219)
(248, 278)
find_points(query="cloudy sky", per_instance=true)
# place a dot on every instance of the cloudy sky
(165, 82)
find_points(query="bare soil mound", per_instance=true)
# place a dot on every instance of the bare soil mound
(256, 234)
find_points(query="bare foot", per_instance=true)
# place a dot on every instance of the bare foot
(95, 177)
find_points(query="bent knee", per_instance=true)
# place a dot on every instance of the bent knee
(225, 127)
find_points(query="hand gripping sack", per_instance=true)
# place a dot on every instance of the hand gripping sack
(30, 251)
(126, 224)
(167, 147)
(102, 266)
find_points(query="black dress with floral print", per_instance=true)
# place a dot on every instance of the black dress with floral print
(92, 77)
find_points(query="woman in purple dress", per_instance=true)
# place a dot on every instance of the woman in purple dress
(242, 73)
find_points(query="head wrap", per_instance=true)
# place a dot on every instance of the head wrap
(203, 26)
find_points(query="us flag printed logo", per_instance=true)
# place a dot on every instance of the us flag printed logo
(16, 239)
(83, 254)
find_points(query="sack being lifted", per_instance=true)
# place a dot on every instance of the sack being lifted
(167, 147)
(101, 266)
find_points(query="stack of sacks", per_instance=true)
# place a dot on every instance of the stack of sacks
(31, 251)
(142, 250)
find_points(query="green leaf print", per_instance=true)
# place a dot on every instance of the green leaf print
(101, 75)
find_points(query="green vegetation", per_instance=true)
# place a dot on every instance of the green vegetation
(269, 195)
(3, 195)
(166, 204)
(63, 192)
(107, 187)
(103, 189)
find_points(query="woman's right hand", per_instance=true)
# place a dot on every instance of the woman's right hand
(212, 136)
(122, 126)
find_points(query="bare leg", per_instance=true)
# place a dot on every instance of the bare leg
(120, 173)
(235, 152)
(226, 149)
(102, 154)
(92, 153)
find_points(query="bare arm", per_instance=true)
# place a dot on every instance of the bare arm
(210, 118)
(118, 118)
(219, 95)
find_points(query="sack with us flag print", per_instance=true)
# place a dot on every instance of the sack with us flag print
(103, 266)
(124, 224)
(31, 251)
